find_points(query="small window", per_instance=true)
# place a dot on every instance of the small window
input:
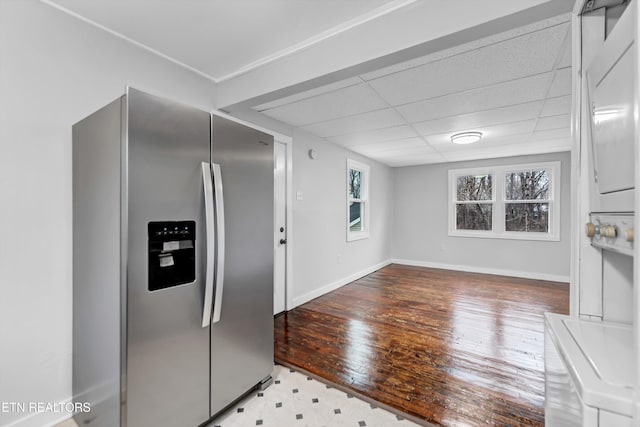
(509, 202)
(357, 200)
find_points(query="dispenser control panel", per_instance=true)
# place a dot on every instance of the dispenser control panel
(171, 254)
(612, 232)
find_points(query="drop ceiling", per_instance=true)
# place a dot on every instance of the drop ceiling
(513, 86)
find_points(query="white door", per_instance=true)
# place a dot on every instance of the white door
(280, 228)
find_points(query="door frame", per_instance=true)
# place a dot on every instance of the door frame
(288, 143)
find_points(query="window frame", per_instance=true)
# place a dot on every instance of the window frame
(364, 200)
(499, 202)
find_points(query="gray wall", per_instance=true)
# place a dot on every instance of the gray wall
(319, 220)
(54, 70)
(420, 225)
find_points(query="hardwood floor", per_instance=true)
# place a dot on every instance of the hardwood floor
(451, 348)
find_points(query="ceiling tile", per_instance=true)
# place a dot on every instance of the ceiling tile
(565, 60)
(327, 106)
(390, 147)
(552, 134)
(361, 138)
(514, 92)
(359, 123)
(561, 84)
(554, 122)
(551, 145)
(490, 134)
(414, 161)
(511, 59)
(308, 93)
(508, 141)
(477, 154)
(513, 113)
(523, 149)
(466, 47)
(556, 106)
(410, 156)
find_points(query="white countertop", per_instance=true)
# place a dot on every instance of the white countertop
(599, 357)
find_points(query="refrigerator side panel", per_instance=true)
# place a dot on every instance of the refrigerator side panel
(167, 347)
(96, 266)
(242, 340)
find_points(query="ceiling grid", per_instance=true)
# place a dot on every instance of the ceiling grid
(514, 87)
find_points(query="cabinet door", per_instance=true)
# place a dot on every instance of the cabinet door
(611, 79)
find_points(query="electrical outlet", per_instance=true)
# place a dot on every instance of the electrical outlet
(339, 259)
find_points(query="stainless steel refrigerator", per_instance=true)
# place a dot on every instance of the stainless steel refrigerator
(172, 263)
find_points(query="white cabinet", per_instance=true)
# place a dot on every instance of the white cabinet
(589, 373)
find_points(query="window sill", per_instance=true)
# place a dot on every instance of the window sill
(545, 237)
(351, 237)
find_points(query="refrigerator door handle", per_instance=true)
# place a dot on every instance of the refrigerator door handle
(220, 249)
(207, 183)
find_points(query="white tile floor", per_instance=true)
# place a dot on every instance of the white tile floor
(295, 400)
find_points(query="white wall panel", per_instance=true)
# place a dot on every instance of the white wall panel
(322, 254)
(55, 70)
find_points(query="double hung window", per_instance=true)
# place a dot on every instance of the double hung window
(357, 200)
(509, 202)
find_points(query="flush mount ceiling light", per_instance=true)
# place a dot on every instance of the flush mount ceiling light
(466, 137)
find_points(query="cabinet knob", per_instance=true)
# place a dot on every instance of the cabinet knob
(609, 231)
(629, 235)
(591, 229)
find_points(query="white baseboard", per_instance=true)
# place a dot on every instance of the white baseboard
(337, 284)
(483, 270)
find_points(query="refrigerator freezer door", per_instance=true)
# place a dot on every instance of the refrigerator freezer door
(242, 341)
(167, 373)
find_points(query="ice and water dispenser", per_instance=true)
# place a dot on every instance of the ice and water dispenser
(171, 254)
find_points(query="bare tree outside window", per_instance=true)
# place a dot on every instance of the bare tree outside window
(474, 216)
(474, 187)
(355, 179)
(527, 185)
(526, 201)
(357, 205)
(506, 201)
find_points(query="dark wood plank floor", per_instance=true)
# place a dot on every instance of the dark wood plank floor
(451, 348)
